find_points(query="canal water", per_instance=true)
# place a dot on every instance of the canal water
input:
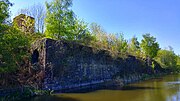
(159, 89)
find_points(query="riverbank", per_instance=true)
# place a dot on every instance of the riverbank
(18, 93)
(115, 83)
(165, 88)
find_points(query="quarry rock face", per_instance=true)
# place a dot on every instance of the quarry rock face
(65, 65)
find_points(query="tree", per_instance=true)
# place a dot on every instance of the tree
(178, 61)
(122, 44)
(83, 34)
(115, 43)
(60, 20)
(101, 37)
(134, 46)
(36, 11)
(4, 10)
(149, 46)
(13, 49)
(97, 29)
(167, 58)
(4, 14)
(112, 43)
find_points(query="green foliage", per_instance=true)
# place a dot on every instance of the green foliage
(115, 43)
(167, 58)
(149, 46)
(12, 43)
(13, 50)
(4, 10)
(134, 47)
(122, 44)
(178, 61)
(81, 32)
(100, 35)
(112, 43)
(97, 30)
(4, 14)
(59, 20)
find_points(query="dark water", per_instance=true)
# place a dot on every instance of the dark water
(160, 89)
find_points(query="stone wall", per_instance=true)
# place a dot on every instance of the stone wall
(70, 65)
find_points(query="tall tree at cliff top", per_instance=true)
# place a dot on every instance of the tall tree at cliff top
(134, 46)
(60, 20)
(149, 46)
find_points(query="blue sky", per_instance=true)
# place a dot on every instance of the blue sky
(161, 18)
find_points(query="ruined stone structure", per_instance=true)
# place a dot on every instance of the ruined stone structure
(67, 65)
(24, 23)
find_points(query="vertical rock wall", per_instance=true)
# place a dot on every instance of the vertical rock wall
(69, 65)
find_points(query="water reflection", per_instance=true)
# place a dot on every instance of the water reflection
(137, 88)
(51, 98)
(160, 89)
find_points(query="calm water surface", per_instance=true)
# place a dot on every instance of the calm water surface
(160, 89)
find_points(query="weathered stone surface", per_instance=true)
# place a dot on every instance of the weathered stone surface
(69, 65)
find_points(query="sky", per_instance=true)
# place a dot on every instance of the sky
(160, 18)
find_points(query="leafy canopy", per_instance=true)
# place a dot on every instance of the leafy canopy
(4, 10)
(166, 58)
(134, 46)
(4, 14)
(61, 22)
(149, 46)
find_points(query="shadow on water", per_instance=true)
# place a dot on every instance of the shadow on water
(137, 88)
(93, 89)
(51, 98)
